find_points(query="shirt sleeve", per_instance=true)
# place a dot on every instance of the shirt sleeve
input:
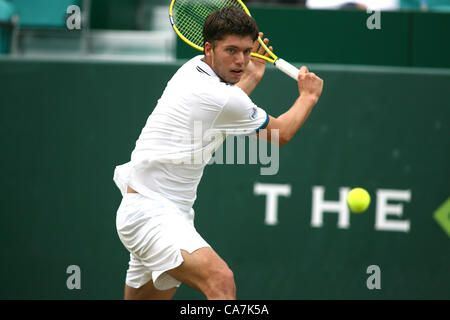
(240, 116)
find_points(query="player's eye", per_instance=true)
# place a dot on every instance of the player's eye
(247, 52)
(231, 50)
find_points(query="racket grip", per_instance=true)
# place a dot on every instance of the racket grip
(287, 68)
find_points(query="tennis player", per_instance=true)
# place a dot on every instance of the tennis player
(209, 93)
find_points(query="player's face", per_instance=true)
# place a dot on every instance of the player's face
(229, 57)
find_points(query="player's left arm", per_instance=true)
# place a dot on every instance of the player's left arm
(255, 68)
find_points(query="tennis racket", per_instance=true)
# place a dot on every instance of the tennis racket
(187, 18)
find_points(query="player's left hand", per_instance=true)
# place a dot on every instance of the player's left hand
(256, 67)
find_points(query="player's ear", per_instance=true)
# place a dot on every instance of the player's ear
(208, 48)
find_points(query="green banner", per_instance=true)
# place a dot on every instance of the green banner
(288, 235)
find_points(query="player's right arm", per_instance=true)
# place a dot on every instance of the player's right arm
(310, 88)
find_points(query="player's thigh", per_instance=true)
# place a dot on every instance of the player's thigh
(148, 292)
(199, 266)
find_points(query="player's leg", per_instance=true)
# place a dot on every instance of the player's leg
(148, 292)
(206, 271)
(159, 234)
(139, 284)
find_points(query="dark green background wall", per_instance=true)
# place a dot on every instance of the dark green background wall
(406, 38)
(65, 125)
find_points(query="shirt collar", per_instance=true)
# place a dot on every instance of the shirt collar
(203, 67)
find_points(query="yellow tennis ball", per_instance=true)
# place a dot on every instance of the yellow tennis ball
(358, 200)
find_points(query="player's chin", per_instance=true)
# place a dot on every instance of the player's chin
(234, 77)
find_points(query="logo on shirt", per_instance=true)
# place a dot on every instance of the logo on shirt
(254, 113)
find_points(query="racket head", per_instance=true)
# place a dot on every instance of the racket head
(187, 18)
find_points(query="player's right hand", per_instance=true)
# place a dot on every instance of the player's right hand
(309, 84)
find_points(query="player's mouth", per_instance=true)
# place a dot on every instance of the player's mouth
(237, 72)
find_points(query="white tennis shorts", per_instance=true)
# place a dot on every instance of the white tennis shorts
(154, 230)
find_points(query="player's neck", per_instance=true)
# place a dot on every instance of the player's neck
(208, 61)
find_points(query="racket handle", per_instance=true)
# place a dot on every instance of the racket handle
(287, 68)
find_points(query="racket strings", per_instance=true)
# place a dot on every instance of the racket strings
(189, 16)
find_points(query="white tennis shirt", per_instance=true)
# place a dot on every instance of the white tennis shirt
(190, 121)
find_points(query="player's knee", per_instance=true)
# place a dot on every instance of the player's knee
(228, 280)
(222, 285)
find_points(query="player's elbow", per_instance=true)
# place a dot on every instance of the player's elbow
(283, 139)
(274, 136)
(279, 135)
(276, 132)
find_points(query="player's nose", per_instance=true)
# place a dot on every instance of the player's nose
(240, 58)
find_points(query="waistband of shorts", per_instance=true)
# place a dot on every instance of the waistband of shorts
(145, 192)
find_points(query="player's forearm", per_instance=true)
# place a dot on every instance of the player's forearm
(293, 119)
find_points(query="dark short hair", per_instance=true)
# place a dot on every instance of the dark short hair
(228, 21)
